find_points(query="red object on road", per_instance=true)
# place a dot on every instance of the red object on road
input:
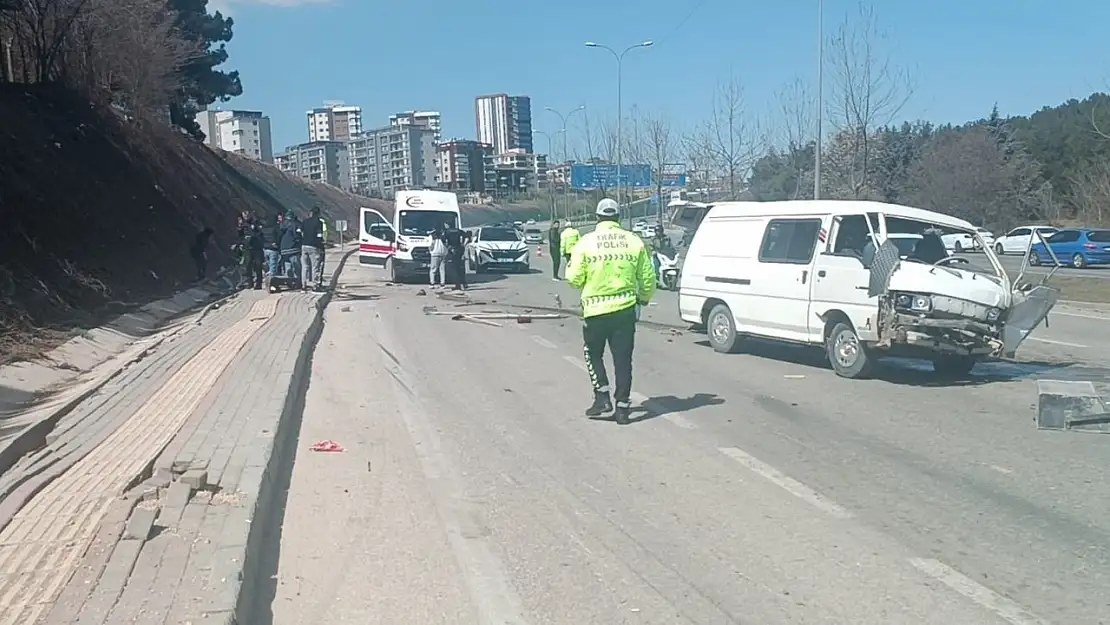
(327, 446)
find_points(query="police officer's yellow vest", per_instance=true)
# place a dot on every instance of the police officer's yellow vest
(568, 239)
(613, 269)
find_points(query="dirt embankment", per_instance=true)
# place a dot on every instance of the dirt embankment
(98, 212)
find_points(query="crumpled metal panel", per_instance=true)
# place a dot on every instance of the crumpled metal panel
(886, 260)
(1028, 311)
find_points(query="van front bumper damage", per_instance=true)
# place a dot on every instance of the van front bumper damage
(939, 324)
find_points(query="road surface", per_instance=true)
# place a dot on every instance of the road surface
(755, 488)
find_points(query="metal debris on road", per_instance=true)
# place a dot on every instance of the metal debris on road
(478, 320)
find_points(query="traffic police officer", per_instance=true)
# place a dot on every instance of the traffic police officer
(567, 240)
(613, 269)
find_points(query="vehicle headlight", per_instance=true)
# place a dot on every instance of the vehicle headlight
(401, 245)
(916, 303)
(993, 314)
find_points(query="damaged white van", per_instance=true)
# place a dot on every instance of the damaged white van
(862, 279)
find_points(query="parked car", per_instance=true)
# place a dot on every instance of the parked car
(1017, 240)
(988, 236)
(966, 242)
(1076, 247)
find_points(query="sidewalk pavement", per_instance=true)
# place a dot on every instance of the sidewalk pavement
(140, 508)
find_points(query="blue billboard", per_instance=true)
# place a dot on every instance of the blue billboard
(605, 176)
(674, 180)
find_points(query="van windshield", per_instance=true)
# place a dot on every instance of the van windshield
(425, 222)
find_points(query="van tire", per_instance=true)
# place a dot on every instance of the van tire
(843, 336)
(954, 366)
(720, 325)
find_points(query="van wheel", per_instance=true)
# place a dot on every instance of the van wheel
(847, 354)
(391, 270)
(721, 327)
(953, 366)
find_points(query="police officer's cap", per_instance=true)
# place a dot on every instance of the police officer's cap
(608, 208)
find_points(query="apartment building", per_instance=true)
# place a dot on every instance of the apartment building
(395, 158)
(504, 121)
(334, 121)
(465, 165)
(518, 170)
(318, 161)
(425, 119)
(246, 133)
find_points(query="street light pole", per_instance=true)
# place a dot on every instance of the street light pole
(566, 157)
(620, 141)
(554, 207)
(820, 99)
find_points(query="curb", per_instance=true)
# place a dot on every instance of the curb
(268, 510)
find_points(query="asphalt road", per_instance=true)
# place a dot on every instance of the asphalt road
(755, 488)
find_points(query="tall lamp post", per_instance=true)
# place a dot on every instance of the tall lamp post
(566, 157)
(554, 208)
(820, 98)
(620, 60)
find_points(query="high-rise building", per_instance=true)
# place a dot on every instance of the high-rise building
(504, 121)
(244, 132)
(426, 119)
(395, 158)
(317, 161)
(465, 165)
(334, 121)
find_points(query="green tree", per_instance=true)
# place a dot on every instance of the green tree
(202, 83)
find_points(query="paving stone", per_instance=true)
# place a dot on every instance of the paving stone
(197, 479)
(140, 524)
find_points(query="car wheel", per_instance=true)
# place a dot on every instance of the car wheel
(959, 247)
(1034, 259)
(998, 249)
(1078, 261)
(954, 366)
(847, 354)
(721, 327)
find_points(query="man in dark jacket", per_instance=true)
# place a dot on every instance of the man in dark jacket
(273, 242)
(290, 246)
(555, 247)
(312, 250)
(456, 245)
(255, 246)
(199, 252)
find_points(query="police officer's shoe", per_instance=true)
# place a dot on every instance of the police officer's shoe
(601, 404)
(622, 413)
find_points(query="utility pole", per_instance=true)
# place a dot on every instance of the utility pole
(566, 156)
(820, 99)
(620, 140)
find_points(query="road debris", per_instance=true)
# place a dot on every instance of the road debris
(328, 446)
(478, 320)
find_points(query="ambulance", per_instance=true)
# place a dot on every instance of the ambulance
(402, 245)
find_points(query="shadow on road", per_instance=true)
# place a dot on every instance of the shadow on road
(667, 404)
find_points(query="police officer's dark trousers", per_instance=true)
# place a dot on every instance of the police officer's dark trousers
(618, 329)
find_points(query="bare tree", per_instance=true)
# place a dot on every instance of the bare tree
(41, 30)
(660, 146)
(867, 90)
(697, 149)
(731, 137)
(1090, 192)
(797, 131)
(969, 173)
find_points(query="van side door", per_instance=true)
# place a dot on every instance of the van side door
(841, 279)
(376, 237)
(781, 285)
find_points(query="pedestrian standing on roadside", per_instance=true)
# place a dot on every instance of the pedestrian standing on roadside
(456, 245)
(312, 251)
(555, 248)
(198, 251)
(437, 272)
(290, 246)
(255, 245)
(273, 244)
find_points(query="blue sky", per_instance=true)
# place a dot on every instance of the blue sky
(437, 55)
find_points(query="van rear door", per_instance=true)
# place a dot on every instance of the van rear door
(376, 237)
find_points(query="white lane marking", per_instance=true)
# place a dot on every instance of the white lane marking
(789, 484)
(1080, 315)
(1060, 343)
(577, 362)
(1006, 609)
(542, 341)
(1002, 470)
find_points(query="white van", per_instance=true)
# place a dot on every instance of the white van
(403, 244)
(810, 272)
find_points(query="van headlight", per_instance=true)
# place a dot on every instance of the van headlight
(914, 303)
(993, 314)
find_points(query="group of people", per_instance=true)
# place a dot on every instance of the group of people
(448, 256)
(284, 247)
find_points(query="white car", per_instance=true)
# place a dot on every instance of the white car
(496, 247)
(639, 226)
(987, 235)
(1017, 241)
